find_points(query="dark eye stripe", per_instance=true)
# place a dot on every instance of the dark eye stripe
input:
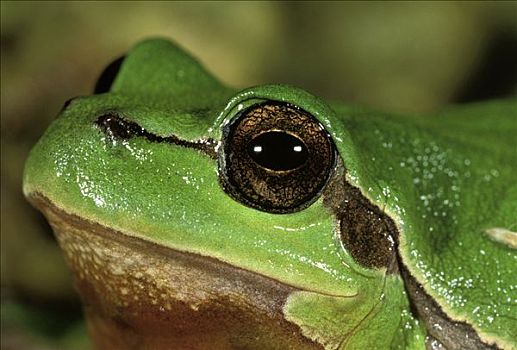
(118, 128)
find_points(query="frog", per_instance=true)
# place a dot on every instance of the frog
(194, 215)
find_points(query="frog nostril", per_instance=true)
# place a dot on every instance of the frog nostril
(65, 106)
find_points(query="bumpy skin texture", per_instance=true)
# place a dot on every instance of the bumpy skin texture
(444, 180)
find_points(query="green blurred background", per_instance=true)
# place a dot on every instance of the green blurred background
(395, 56)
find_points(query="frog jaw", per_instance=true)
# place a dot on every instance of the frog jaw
(136, 292)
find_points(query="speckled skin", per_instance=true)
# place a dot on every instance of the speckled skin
(446, 181)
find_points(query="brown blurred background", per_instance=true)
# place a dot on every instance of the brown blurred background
(400, 57)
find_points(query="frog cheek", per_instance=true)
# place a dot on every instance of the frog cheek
(275, 157)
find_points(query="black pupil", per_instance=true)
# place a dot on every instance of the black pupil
(277, 150)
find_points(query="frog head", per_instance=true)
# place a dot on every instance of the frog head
(197, 216)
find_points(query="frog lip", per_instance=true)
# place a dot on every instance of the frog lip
(104, 260)
(143, 286)
(59, 218)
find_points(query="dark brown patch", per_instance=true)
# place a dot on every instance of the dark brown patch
(275, 191)
(368, 234)
(117, 127)
(139, 295)
(372, 238)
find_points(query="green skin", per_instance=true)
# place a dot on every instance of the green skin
(447, 181)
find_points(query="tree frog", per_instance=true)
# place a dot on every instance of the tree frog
(197, 216)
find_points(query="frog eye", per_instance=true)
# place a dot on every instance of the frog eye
(108, 75)
(275, 157)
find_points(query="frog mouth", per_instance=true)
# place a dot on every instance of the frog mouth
(137, 292)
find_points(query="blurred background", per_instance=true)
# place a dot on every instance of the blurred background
(399, 57)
